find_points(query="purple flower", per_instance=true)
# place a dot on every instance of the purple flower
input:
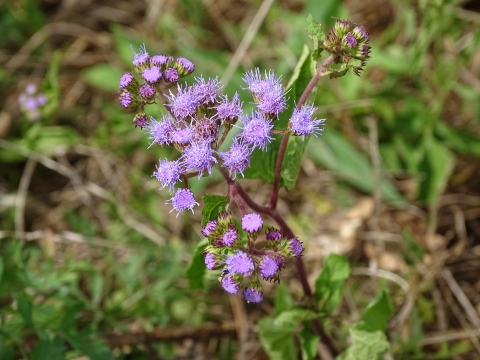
(268, 267)
(229, 110)
(142, 58)
(252, 295)
(229, 284)
(147, 91)
(206, 92)
(349, 40)
(182, 136)
(295, 247)
(184, 66)
(206, 129)
(152, 75)
(184, 104)
(237, 158)
(258, 85)
(210, 261)
(170, 75)
(168, 173)
(209, 228)
(125, 99)
(274, 234)
(41, 100)
(160, 60)
(199, 156)
(140, 120)
(182, 200)
(256, 130)
(230, 237)
(126, 80)
(252, 223)
(360, 33)
(301, 122)
(161, 131)
(30, 89)
(273, 101)
(239, 264)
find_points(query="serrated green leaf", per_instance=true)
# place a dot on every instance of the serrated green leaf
(290, 319)
(213, 205)
(376, 315)
(331, 281)
(276, 341)
(196, 270)
(283, 299)
(94, 348)
(308, 344)
(48, 347)
(24, 304)
(103, 76)
(366, 345)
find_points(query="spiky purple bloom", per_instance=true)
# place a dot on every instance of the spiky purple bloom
(239, 263)
(159, 60)
(273, 101)
(210, 261)
(184, 104)
(147, 91)
(199, 156)
(161, 131)
(209, 228)
(230, 237)
(206, 129)
(125, 99)
(252, 222)
(349, 40)
(259, 85)
(229, 284)
(170, 75)
(237, 158)
(182, 136)
(168, 173)
(182, 200)
(360, 33)
(126, 80)
(301, 122)
(206, 92)
(152, 75)
(142, 58)
(184, 66)
(256, 130)
(295, 247)
(268, 267)
(252, 295)
(140, 120)
(229, 110)
(274, 234)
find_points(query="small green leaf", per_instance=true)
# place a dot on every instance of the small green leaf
(330, 283)
(48, 347)
(290, 319)
(94, 348)
(25, 308)
(308, 344)
(283, 299)
(196, 270)
(103, 76)
(376, 316)
(96, 287)
(276, 341)
(214, 204)
(366, 345)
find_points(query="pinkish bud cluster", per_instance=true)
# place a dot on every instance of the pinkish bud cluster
(229, 251)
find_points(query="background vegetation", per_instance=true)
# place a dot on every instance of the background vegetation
(92, 264)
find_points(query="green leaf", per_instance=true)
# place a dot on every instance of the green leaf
(103, 76)
(1, 269)
(330, 283)
(25, 308)
(461, 141)
(290, 319)
(315, 33)
(214, 204)
(376, 316)
(366, 345)
(48, 347)
(308, 344)
(436, 166)
(335, 153)
(6, 352)
(283, 299)
(276, 341)
(196, 270)
(96, 287)
(94, 348)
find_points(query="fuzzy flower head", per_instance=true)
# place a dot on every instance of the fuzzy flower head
(252, 223)
(31, 102)
(152, 75)
(260, 85)
(170, 75)
(141, 59)
(161, 131)
(184, 66)
(182, 200)
(302, 124)
(182, 136)
(184, 104)
(206, 129)
(147, 91)
(229, 110)
(229, 284)
(256, 130)
(126, 99)
(252, 294)
(274, 234)
(127, 80)
(237, 158)
(161, 60)
(206, 92)
(140, 120)
(273, 101)
(240, 264)
(268, 267)
(209, 228)
(230, 237)
(294, 247)
(211, 261)
(349, 40)
(168, 173)
(199, 156)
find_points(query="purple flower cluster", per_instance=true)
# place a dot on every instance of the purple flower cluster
(31, 102)
(227, 251)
